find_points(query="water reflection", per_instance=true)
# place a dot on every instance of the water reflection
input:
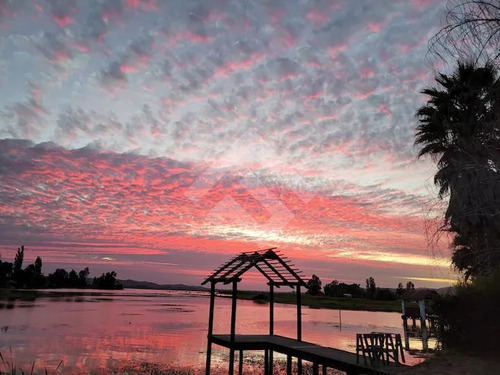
(95, 330)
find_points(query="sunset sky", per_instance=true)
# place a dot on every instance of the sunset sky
(159, 138)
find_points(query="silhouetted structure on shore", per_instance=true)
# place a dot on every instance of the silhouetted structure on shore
(427, 327)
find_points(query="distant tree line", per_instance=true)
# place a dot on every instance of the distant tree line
(371, 291)
(13, 275)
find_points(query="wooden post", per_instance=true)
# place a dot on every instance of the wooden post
(423, 325)
(233, 328)
(340, 319)
(210, 327)
(315, 368)
(266, 362)
(405, 325)
(240, 364)
(299, 326)
(405, 330)
(299, 315)
(271, 309)
(271, 323)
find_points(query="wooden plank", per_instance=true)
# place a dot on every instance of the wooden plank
(222, 268)
(292, 271)
(274, 270)
(271, 281)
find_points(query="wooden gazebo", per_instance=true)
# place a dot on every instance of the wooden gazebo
(279, 272)
(427, 322)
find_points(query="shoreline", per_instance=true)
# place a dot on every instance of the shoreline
(315, 302)
(319, 302)
(456, 363)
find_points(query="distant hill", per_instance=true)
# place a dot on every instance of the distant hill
(133, 284)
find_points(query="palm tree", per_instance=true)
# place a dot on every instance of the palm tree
(459, 128)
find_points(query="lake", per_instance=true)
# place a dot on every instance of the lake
(92, 330)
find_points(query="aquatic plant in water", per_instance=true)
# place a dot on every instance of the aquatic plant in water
(10, 368)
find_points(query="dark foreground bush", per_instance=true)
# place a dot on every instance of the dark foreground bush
(471, 317)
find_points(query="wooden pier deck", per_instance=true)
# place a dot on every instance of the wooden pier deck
(318, 355)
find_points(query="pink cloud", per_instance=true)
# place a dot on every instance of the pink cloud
(375, 26)
(336, 50)
(62, 11)
(367, 72)
(38, 8)
(196, 38)
(364, 94)
(420, 4)
(238, 65)
(318, 16)
(81, 47)
(146, 5)
(126, 68)
(133, 204)
(276, 15)
(63, 21)
(383, 108)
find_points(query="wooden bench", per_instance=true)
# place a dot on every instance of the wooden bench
(379, 347)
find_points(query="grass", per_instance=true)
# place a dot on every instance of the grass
(253, 364)
(324, 301)
(449, 362)
(10, 368)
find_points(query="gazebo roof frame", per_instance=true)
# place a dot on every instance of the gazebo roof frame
(275, 267)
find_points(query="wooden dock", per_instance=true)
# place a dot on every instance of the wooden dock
(280, 272)
(318, 355)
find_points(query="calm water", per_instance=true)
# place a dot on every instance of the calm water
(104, 330)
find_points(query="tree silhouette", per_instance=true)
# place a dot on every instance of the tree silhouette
(18, 260)
(13, 275)
(459, 129)
(72, 279)
(410, 285)
(18, 273)
(107, 281)
(38, 265)
(5, 272)
(82, 277)
(332, 289)
(472, 31)
(59, 278)
(337, 289)
(371, 287)
(385, 294)
(314, 286)
(399, 290)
